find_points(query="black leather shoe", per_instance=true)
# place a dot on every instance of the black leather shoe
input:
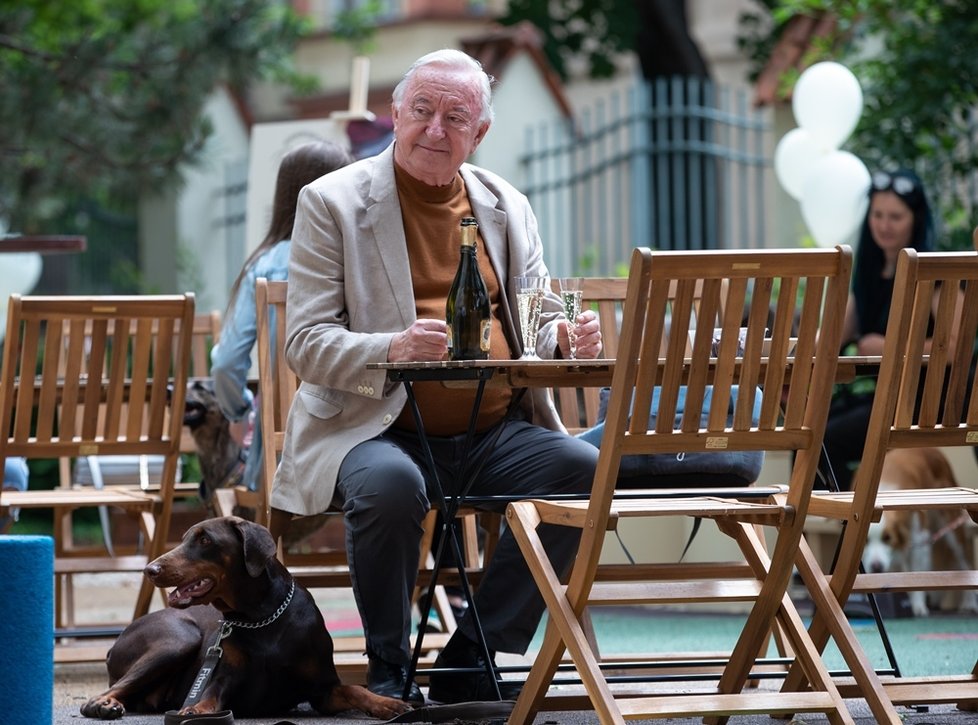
(387, 679)
(451, 687)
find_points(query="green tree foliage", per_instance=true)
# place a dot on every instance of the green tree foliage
(594, 30)
(915, 62)
(103, 98)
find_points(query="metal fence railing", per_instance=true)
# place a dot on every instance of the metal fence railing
(676, 164)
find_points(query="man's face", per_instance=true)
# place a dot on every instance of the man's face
(437, 126)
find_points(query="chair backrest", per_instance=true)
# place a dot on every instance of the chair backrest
(675, 297)
(88, 376)
(207, 333)
(935, 295)
(579, 407)
(277, 384)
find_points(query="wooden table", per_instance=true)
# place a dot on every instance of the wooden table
(554, 373)
(42, 243)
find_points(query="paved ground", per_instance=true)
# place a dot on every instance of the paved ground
(101, 601)
(77, 682)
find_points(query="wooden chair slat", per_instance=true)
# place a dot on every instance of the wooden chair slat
(93, 368)
(73, 356)
(28, 351)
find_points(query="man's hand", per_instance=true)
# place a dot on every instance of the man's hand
(870, 344)
(423, 341)
(588, 329)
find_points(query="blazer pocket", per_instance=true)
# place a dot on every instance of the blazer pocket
(318, 406)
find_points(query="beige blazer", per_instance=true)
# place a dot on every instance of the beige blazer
(350, 291)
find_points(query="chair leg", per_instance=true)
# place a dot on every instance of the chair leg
(807, 656)
(564, 628)
(150, 532)
(830, 618)
(60, 617)
(970, 705)
(544, 668)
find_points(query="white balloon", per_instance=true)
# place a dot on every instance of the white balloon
(835, 198)
(19, 272)
(794, 157)
(827, 102)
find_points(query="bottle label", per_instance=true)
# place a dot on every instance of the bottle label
(484, 332)
(449, 331)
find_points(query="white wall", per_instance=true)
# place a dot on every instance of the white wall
(188, 225)
(520, 99)
(269, 143)
(714, 26)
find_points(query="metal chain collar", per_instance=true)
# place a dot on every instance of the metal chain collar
(268, 620)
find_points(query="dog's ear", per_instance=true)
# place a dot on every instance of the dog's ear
(257, 544)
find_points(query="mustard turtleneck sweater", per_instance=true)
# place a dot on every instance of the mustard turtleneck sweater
(431, 216)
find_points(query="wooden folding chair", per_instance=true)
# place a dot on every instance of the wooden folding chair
(927, 398)
(580, 410)
(98, 376)
(808, 285)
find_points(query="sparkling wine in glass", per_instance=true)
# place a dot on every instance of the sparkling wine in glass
(571, 296)
(530, 292)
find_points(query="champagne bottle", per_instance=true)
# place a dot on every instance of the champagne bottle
(467, 310)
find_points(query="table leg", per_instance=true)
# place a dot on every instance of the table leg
(449, 507)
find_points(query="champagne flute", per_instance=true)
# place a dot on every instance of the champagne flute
(530, 292)
(571, 296)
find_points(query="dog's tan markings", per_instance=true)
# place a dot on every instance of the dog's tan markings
(354, 697)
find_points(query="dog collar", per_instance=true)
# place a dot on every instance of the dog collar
(263, 623)
(213, 655)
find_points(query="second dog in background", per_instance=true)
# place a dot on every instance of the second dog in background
(922, 540)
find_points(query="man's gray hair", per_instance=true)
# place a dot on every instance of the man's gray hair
(451, 59)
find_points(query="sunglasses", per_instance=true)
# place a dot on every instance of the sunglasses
(902, 185)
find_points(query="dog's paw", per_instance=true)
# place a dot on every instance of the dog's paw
(969, 603)
(918, 604)
(103, 708)
(356, 697)
(387, 707)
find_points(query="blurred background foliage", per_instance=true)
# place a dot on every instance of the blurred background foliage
(102, 99)
(915, 62)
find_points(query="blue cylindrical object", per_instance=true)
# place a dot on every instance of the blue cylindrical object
(26, 629)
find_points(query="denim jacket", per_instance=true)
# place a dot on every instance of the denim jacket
(231, 360)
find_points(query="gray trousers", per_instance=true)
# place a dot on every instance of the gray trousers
(385, 492)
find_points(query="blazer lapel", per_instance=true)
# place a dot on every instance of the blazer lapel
(384, 216)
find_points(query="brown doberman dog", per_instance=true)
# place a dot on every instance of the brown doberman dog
(274, 652)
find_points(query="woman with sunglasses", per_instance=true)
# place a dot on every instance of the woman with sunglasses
(898, 216)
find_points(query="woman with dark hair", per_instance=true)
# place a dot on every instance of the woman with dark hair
(231, 359)
(899, 216)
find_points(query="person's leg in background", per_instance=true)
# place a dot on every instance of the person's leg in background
(845, 436)
(15, 475)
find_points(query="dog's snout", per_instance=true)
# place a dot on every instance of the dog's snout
(153, 569)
